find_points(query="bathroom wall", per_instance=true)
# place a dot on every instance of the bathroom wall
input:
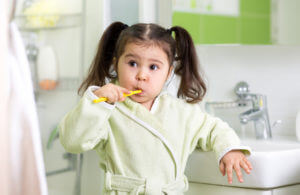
(287, 28)
(270, 70)
(129, 17)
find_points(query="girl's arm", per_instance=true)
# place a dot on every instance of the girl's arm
(215, 134)
(86, 125)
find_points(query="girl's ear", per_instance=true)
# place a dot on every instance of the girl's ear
(170, 72)
(114, 62)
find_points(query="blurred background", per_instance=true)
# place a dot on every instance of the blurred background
(257, 41)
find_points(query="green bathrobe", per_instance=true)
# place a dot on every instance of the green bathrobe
(142, 151)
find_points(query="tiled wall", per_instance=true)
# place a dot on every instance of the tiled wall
(251, 25)
(270, 70)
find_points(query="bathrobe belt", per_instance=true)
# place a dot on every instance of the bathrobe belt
(135, 186)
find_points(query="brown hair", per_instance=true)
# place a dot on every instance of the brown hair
(180, 48)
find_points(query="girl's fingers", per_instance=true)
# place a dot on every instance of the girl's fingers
(238, 172)
(118, 94)
(229, 173)
(237, 161)
(113, 96)
(248, 163)
(126, 90)
(245, 166)
(222, 168)
(111, 99)
(121, 93)
(113, 93)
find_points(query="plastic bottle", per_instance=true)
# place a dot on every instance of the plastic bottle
(47, 68)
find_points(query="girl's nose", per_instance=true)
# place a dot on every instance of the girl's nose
(142, 76)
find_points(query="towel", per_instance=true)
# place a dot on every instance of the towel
(27, 171)
(4, 162)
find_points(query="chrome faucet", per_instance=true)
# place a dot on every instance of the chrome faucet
(258, 113)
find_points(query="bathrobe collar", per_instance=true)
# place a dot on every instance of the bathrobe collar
(147, 119)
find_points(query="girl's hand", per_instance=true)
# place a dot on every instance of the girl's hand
(112, 92)
(234, 159)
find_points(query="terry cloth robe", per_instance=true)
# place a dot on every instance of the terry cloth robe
(142, 151)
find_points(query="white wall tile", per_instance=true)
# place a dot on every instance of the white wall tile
(270, 70)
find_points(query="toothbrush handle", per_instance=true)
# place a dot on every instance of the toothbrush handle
(103, 99)
(132, 93)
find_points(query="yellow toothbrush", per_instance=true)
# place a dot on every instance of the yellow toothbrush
(103, 99)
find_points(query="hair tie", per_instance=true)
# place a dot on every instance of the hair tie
(169, 31)
(125, 26)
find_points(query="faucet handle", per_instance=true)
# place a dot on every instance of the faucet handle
(242, 89)
(260, 100)
(276, 123)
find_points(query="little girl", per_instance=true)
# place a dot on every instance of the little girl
(144, 140)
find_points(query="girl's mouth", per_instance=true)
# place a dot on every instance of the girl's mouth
(139, 94)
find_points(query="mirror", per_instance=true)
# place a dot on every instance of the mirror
(239, 21)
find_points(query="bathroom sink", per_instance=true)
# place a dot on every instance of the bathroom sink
(275, 163)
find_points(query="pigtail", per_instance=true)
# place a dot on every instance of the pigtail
(100, 69)
(192, 86)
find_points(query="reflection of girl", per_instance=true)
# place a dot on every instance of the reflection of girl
(144, 141)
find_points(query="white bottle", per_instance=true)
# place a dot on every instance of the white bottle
(298, 125)
(47, 68)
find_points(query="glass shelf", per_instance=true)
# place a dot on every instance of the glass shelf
(48, 22)
(63, 84)
(68, 83)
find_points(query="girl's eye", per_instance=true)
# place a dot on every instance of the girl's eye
(132, 64)
(153, 67)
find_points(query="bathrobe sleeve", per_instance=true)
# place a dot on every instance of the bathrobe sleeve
(86, 125)
(216, 135)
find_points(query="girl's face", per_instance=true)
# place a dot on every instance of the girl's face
(144, 67)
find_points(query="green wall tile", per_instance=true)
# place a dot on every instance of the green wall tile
(253, 26)
(191, 22)
(208, 29)
(255, 7)
(255, 30)
(219, 29)
(255, 21)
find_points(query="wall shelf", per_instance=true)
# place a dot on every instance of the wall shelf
(48, 22)
(65, 84)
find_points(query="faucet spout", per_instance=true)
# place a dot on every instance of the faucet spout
(259, 115)
(250, 115)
